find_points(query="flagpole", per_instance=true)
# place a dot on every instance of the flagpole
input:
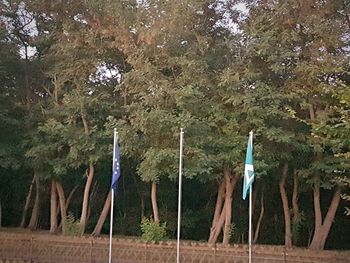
(179, 200)
(248, 186)
(112, 201)
(111, 228)
(250, 224)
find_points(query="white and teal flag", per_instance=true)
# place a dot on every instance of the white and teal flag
(248, 169)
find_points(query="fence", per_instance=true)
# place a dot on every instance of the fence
(44, 248)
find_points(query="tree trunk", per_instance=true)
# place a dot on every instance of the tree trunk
(217, 228)
(26, 206)
(322, 229)
(33, 223)
(318, 219)
(286, 210)
(70, 196)
(225, 217)
(312, 112)
(261, 215)
(230, 184)
(295, 197)
(85, 205)
(218, 205)
(103, 216)
(68, 200)
(90, 175)
(53, 208)
(295, 206)
(218, 211)
(91, 198)
(62, 201)
(328, 221)
(154, 202)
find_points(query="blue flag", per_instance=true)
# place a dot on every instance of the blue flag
(116, 167)
(248, 169)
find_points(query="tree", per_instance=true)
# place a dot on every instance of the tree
(78, 97)
(299, 55)
(170, 73)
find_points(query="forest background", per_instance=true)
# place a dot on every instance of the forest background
(71, 71)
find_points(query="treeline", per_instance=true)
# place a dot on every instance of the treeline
(72, 71)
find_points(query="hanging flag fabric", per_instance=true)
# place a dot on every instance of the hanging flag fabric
(248, 169)
(116, 167)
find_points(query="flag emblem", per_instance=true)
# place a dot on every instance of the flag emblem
(115, 167)
(248, 169)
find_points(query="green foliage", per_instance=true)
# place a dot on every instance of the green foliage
(149, 68)
(232, 231)
(72, 227)
(152, 231)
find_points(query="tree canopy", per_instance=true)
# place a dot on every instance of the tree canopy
(72, 71)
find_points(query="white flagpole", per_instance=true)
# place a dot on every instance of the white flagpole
(179, 200)
(111, 228)
(112, 201)
(250, 224)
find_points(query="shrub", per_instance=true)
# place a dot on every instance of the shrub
(152, 231)
(72, 227)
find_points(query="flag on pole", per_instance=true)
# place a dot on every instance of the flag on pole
(114, 187)
(248, 169)
(116, 167)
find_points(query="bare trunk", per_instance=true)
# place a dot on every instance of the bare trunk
(316, 192)
(318, 242)
(89, 174)
(85, 205)
(312, 112)
(224, 220)
(33, 223)
(154, 202)
(103, 216)
(328, 221)
(62, 201)
(219, 204)
(261, 215)
(68, 200)
(85, 123)
(217, 228)
(70, 196)
(295, 206)
(318, 219)
(91, 198)
(218, 211)
(286, 211)
(230, 184)
(295, 197)
(53, 208)
(26, 206)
